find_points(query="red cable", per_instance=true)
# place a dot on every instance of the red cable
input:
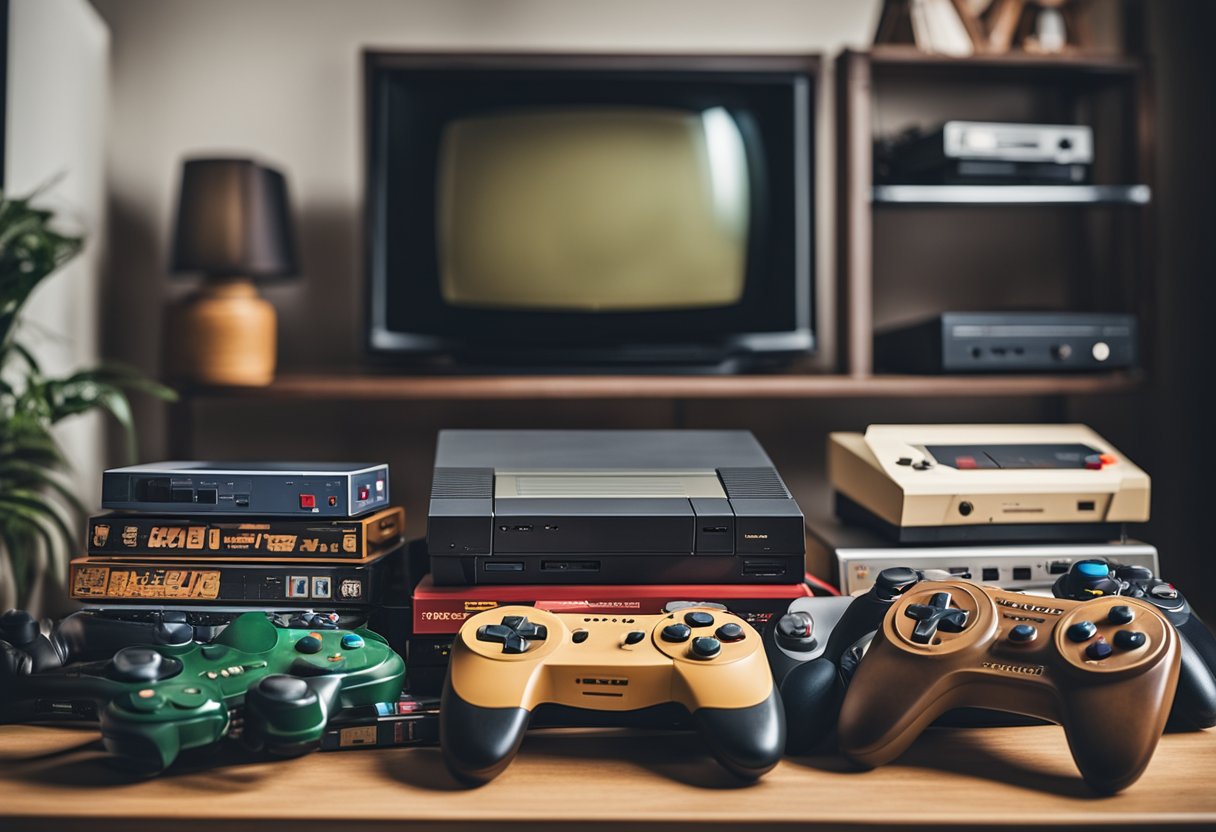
(818, 583)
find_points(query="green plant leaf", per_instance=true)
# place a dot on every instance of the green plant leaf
(35, 477)
(23, 501)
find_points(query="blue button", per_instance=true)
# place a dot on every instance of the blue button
(309, 644)
(352, 642)
(1100, 649)
(1081, 631)
(1023, 633)
(1130, 639)
(1092, 569)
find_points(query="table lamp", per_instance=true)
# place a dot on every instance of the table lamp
(234, 226)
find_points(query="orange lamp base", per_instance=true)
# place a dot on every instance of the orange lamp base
(222, 335)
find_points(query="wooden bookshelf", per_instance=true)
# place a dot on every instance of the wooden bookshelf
(1111, 93)
(367, 387)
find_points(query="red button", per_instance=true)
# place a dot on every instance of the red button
(363, 492)
(308, 501)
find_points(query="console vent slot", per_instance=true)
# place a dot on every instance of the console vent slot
(463, 484)
(753, 484)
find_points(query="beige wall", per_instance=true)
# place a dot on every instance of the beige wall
(56, 113)
(280, 79)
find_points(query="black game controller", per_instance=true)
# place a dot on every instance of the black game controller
(807, 645)
(29, 646)
(1195, 701)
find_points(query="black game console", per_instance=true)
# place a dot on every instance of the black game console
(1010, 342)
(602, 506)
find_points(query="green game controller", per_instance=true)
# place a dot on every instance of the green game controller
(158, 700)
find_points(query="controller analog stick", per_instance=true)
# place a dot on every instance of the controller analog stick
(796, 631)
(18, 627)
(283, 688)
(143, 664)
(895, 581)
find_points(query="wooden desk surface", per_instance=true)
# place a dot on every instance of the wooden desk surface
(55, 778)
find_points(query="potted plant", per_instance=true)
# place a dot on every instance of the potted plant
(40, 516)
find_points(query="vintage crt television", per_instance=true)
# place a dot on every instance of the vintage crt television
(590, 210)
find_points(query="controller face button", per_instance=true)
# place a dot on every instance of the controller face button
(634, 637)
(308, 644)
(699, 619)
(579, 636)
(515, 644)
(1121, 614)
(1023, 634)
(730, 632)
(352, 641)
(497, 633)
(935, 615)
(1129, 639)
(1081, 631)
(706, 647)
(147, 701)
(1099, 649)
(676, 632)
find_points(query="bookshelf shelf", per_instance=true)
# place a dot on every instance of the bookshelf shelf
(1011, 194)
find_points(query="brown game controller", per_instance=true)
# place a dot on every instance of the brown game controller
(1104, 669)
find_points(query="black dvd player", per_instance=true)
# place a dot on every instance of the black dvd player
(1010, 342)
(276, 489)
(603, 506)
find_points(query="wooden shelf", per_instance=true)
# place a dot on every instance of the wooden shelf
(365, 387)
(911, 58)
(1011, 194)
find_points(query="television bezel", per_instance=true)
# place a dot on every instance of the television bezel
(384, 344)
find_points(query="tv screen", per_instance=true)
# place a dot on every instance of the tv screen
(533, 209)
(593, 209)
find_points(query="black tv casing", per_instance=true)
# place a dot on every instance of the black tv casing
(410, 96)
(752, 535)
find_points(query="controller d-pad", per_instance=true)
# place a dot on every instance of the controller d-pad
(537, 632)
(497, 633)
(513, 633)
(935, 615)
(515, 644)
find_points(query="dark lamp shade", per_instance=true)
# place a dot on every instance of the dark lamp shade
(233, 219)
